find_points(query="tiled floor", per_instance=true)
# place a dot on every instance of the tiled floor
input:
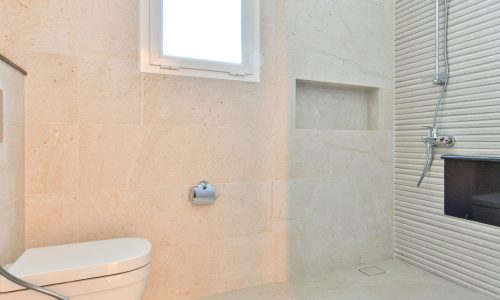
(400, 281)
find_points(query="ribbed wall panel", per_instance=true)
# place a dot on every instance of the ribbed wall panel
(465, 252)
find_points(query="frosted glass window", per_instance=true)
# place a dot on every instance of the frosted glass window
(203, 29)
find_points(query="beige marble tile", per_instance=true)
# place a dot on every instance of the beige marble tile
(156, 288)
(41, 26)
(11, 231)
(342, 60)
(51, 88)
(117, 157)
(336, 153)
(186, 155)
(107, 156)
(313, 249)
(108, 29)
(179, 101)
(323, 45)
(369, 196)
(51, 219)
(331, 106)
(109, 91)
(51, 91)
(325, 224)
(203, 269)
(374, 19)
(241, 209)
(51, 158)
(126, 213)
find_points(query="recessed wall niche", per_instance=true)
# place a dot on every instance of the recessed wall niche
(322, 105)
(472, 188)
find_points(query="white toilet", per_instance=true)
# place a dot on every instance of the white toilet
(115, 269)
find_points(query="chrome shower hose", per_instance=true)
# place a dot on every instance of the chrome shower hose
(31, 286)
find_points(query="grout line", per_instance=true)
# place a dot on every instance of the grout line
(142, 100)
(148, 188)
(77, 192)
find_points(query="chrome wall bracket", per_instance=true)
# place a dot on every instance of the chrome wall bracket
(440, 79)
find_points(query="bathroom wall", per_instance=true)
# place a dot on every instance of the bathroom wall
(333, 178)
(462, 251)
(11, 163)
(111, 152)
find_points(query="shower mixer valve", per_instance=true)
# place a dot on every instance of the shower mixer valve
(434, 139)
(431, 141)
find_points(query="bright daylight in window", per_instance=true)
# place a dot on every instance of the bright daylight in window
(205, 38)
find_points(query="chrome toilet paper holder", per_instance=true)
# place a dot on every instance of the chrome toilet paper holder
(203, 194)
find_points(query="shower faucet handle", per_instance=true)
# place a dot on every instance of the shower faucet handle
(447, 140)
(434, 139)
(432, 136)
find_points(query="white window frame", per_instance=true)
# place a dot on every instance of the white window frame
(153, 61)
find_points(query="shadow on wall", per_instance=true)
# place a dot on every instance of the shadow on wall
(334, 195)
(333, 184)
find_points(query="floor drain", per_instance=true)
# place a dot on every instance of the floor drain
(371, 271)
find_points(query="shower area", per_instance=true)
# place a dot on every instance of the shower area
(426, 231)
(363, 165)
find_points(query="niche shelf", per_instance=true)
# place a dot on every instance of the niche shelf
(324, 105)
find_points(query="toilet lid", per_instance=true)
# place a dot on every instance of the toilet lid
(72, 262)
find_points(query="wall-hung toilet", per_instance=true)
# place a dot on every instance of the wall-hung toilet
(115, 269)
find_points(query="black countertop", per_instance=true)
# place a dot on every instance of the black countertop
(471, 157)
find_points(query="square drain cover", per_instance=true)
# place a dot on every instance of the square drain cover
(371, 271)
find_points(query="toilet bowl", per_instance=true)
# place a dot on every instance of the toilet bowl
(101, 270)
